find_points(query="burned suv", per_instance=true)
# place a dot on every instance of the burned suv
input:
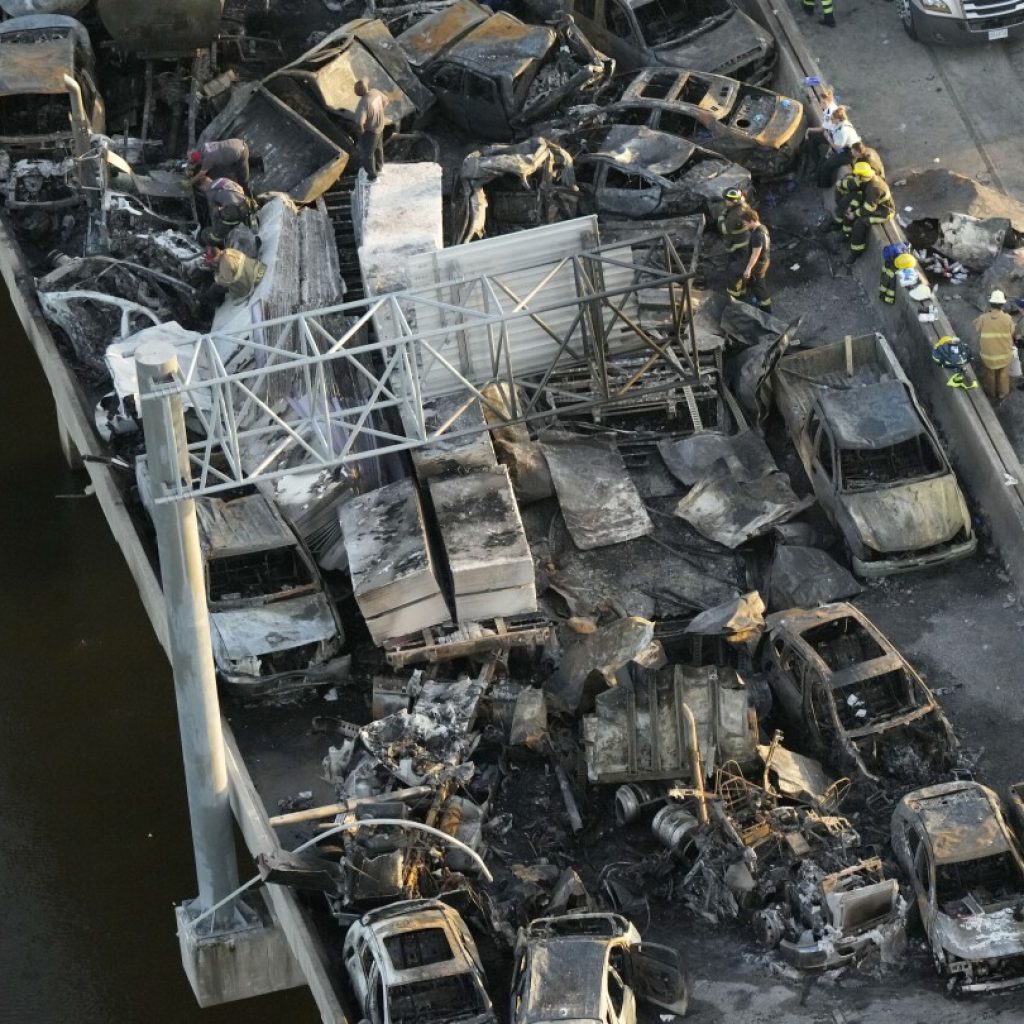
(855, 698)
(273, 626)
(46, 76)
(967, 874)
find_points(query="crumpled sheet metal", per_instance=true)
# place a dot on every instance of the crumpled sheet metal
(730, 512)
(691, 459)
(740, 621)
(600, 502)
(797, 777)
(805, 577)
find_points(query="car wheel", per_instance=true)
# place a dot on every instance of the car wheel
(906, 11)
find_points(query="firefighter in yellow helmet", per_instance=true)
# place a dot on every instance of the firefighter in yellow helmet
(890, 271)
(869, 202)
(995, 347)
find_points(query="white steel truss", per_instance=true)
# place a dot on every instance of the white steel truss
(318, 390)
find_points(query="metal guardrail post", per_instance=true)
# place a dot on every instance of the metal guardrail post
(195, 681)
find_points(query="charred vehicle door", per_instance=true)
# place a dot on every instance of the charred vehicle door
(787, 671)
(658, 977)
(823, 460)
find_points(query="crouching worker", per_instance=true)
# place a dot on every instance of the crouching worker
(759, 245)
(229, 207)
(896, 260)
(234, 273)
(225, 158)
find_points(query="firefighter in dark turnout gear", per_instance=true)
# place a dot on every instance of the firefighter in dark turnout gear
(860, 150)
(827, 13)
(752, 282)
(223, 158)
(870, 203)
(734, 232)
(891, 266)
(229, 206)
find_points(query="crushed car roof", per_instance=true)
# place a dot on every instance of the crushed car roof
(432, 36)
(503, 42)
(631, 146)
(875, 416)
(240, 526)
(961, 821)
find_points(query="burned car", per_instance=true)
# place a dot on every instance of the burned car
(414, 962)
(635, 173)
(591, 969)
(493, 75)
(967, 874)
(47, 73)
(273, 626)
(854, 698)
(872, 457)
(755, 127)
(709, 35)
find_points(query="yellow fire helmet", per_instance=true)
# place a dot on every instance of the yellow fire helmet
(863, 169)
(904, 261)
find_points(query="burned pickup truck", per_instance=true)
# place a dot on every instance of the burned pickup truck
(47, 85)
(967, 874)
(494, 75)
(857, 701)
(274, 627)
(709, 35)
(872, 457)
(755, 127)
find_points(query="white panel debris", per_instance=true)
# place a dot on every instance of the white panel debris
(489, 557)
(396, 217)
(389, 560)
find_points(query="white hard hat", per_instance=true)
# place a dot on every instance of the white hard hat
(997, 298)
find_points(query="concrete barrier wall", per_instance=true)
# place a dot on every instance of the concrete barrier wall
(978, 446)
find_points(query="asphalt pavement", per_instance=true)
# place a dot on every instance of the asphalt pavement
(959, 107)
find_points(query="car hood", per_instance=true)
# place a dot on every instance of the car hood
(908, 517)
(722, 50)
(981, 936)
(269, 628)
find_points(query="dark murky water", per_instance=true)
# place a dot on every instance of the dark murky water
(94, 841)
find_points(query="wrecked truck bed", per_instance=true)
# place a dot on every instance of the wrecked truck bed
(873, 457)
(854, 698)
(496, 75)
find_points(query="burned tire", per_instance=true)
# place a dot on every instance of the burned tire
(907, 17)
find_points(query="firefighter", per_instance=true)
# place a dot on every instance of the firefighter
(860, 150)
(229, 206)
(752, 281)
(891, 266)
(827, 14)
(995, 347)
(234, 273)
(225, 158)
(733, 231)
(870, 203)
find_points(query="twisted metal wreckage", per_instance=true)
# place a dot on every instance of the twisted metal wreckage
(440, 443)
